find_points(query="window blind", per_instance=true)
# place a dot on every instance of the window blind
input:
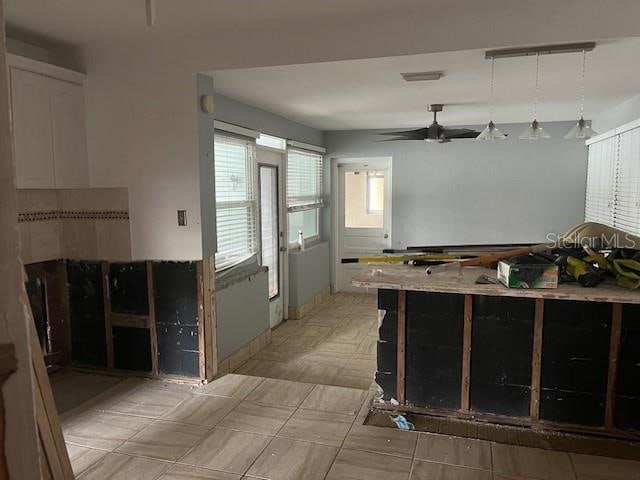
(601, 172)
(626, 210)
(236, 201)
(304, 180)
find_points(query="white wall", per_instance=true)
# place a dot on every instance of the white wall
(617, 115)
(468, 192)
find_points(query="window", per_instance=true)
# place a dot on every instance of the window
(375, 193)
(304, 193)
(236, 204)
(364, 199)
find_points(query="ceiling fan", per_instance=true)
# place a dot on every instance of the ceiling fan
(434, 132)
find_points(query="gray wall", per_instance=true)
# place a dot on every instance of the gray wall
(467, 192)
(618, 115)
(232, 111)
(309, 273)
(242, 311)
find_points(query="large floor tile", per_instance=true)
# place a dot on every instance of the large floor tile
(280, 392)
(531, 462)
(116, 466)
(103, 430)
(288, 459)
(231, 385)
(439, 471)
(256, 418)
(149, 401)
(381, 440)
(202, 410)
(460, 451)
(188, 472)
(319, 427)
(334, 399)
(357, 465)
(591, 467)
(164, 440)
(83, 457)
(227, 450)
(314, 372)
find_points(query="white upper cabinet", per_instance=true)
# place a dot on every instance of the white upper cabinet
(32, 131)
(49, 130)
(69, 134)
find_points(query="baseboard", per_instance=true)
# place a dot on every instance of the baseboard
(296, 313)
(243, 354)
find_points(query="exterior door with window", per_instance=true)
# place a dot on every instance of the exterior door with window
(364, 214)
(272, 227)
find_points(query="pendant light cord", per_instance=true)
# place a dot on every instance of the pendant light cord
(584, 69)
(491, 98)
(535, 98)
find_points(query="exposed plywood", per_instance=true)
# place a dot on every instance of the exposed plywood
(536, 361)
(394, 277)
(402, 343)
(466, 352)
(614, 354)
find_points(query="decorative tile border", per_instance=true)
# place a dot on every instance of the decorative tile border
(73, 215)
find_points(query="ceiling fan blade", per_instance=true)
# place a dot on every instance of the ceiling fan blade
(453, 133)
(419, 133)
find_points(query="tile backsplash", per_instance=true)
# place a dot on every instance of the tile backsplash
(82, 223)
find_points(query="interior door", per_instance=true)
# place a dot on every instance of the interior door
(272, 238)
(364, 215)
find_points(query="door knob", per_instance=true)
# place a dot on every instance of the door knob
(386, 235)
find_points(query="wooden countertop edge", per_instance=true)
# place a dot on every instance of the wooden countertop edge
(391, 278)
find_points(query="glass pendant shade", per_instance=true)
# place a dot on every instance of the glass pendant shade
(491, 132)
(534, 132)
(580, 131)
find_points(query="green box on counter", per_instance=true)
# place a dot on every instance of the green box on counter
(528, 272)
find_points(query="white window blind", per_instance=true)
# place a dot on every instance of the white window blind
(236, 201)
(626, 211)
(304, 180)
(613, 181)
(601, 172)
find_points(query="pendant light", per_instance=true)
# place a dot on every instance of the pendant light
(581, 130)
(535, 130)
(491, 132)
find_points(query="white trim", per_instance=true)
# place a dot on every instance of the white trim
(306, 146)
(616, 131)
(238, 130)
(46, 69)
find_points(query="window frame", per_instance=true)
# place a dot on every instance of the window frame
(293, 147)
(252, 203)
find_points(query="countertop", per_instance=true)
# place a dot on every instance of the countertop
(404, 277)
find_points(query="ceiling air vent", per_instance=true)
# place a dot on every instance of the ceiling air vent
(422, 76)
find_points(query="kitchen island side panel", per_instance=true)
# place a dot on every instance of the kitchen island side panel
(501, 352)
(434, 349)
(386, 373)
(575, 361)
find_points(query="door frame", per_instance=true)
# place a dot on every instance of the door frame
(282, 222)
(383, 161)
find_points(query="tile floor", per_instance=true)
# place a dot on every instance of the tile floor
(244, 427)
(335, 344)
(304, 421)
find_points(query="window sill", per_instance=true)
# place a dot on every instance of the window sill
(237, 274)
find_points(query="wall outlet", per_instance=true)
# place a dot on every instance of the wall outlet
(182, 218)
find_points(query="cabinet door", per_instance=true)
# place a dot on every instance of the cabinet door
(32, 130)
(69, 134)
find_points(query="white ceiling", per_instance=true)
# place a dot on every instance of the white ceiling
(363, 94)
